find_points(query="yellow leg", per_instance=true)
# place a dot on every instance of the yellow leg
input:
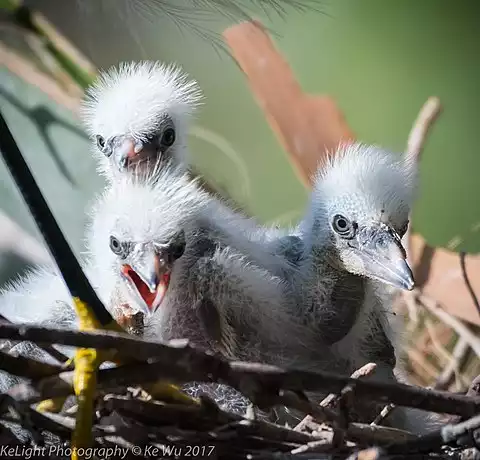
(87, 362)
(85, 380)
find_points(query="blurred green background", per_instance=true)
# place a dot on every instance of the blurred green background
(380, 60)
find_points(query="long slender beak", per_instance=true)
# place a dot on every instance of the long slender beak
(384, 257)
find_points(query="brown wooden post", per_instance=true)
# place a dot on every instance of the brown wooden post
(307, 126)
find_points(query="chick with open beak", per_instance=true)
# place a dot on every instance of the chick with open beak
(146, 270)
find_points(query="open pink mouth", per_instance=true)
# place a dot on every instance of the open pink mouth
(152, 299)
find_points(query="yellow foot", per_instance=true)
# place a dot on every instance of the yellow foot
(169, 393)
(51, 405)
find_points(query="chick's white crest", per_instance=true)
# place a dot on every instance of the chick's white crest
(359, 211)
(367, 183)
(140, 101)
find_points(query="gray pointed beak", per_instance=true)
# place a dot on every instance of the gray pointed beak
(384, 258)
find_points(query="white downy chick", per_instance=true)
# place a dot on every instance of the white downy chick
(168, 247)
(138, 114)
(353, 255)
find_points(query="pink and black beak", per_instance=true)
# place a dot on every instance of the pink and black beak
(128, 152)
(148, 276)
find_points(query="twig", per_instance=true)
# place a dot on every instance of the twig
(384, 413)
(416, 142)
(181, 362)
(418, 134)
(459, 355)
(331, 399)
(434, 441)
(458, 326)
(314, 446)
(53, 352)
(376, 434)
(467, 281)
(25, 367)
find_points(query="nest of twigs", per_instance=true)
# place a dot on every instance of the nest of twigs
(131, 424)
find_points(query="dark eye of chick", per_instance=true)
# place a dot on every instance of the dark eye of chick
(403, 230)
(177, 251)
(343, 226)
(118, 248)
(100, 142)
(168, 137)
(103, 145)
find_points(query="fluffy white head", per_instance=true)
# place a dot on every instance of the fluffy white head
(368, 183)
(362, 198)
(139, 100)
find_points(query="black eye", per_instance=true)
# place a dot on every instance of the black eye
(103, 146)
(177, 251)
(168, 137)
(403, 230)
(116, 246)
(343, 226)
(177, 246)
(100, 142)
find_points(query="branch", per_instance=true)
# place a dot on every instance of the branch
(25, 367)
(183, 363)
(459, 356)
(434, 441)
(416, 143)
(458, 326)
(53, 352)
(418, 134)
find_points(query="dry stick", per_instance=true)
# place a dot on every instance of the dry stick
(457, 325)
(459, 355)
(365, 370)
(330, 400)
(53, 352)
(242, 375)
(418, 136)
(384, 413)
(380, 435)
(314, 446)
(432, 441)
(180, 361)
(467, 282)
(159, 414)
(26, 367)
